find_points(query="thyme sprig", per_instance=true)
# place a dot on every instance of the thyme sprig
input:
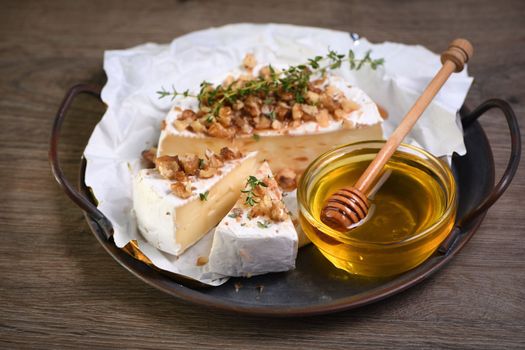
(173, 93)
(251, 184)
(293, 80)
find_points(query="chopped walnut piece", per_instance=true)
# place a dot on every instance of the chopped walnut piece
(287, 179)
(249, 62)
(190, 163)
(202, 260)
(265, 72)
(228, 81)
(333, 91)
(277, 125)
(188, 114)
(348, 124)
(168, 166)
(247, 129)
(281, 111)
(197, 126)
(230, 154)
(149, 157)
(207, 173)
(309, 112)
(181, 190)
(238, 105)
(328, 102)
(349, 105)
(323, 118)
(312, 97)
(287, 96)
(180, 176)
(214, 160)
(246, 77)
(339, 114)
(259, 191)
(225, 116)
(278, 211)
(253, 106)
(263, 206)
(297, 113)
(382, 112)
(217, 130)
(262, 122)
(237, 84)
(314, 89)
(180, 125)
(318, 81)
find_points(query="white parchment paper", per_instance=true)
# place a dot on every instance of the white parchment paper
(131, 122)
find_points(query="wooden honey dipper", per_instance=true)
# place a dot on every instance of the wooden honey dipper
(350, 205)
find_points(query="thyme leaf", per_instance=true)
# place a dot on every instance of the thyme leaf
(263, 224)
(251, 183)
(204, 196)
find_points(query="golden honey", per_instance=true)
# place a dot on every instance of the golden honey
(411, 214)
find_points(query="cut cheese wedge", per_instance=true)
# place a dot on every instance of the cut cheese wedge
(290, 200)
(247, 246)
(173, 224)
(287, 148)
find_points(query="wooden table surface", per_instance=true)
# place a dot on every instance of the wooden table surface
(58, 288)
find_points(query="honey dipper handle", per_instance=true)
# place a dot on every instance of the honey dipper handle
(453, 60)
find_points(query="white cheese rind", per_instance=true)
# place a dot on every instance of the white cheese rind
(242, 248)
(173, 224)
(291, 148)
(290, 200)
(243, 251)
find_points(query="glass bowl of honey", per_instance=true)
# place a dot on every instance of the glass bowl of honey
(411, 213)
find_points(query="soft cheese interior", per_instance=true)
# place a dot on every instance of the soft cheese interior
(247, 246)
(173, 224)
(291, 148)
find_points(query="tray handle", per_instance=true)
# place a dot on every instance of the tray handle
(508, 174)
(83, 202)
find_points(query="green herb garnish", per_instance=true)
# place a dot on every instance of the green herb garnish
(263, 224)
(173, 93)
(293, 80)
(204, 196)
(251, 184)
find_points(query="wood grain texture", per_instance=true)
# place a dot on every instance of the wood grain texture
(59, 289)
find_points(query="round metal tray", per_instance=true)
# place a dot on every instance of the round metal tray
(316, 286)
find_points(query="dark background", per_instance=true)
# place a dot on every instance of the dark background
(58, 288)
